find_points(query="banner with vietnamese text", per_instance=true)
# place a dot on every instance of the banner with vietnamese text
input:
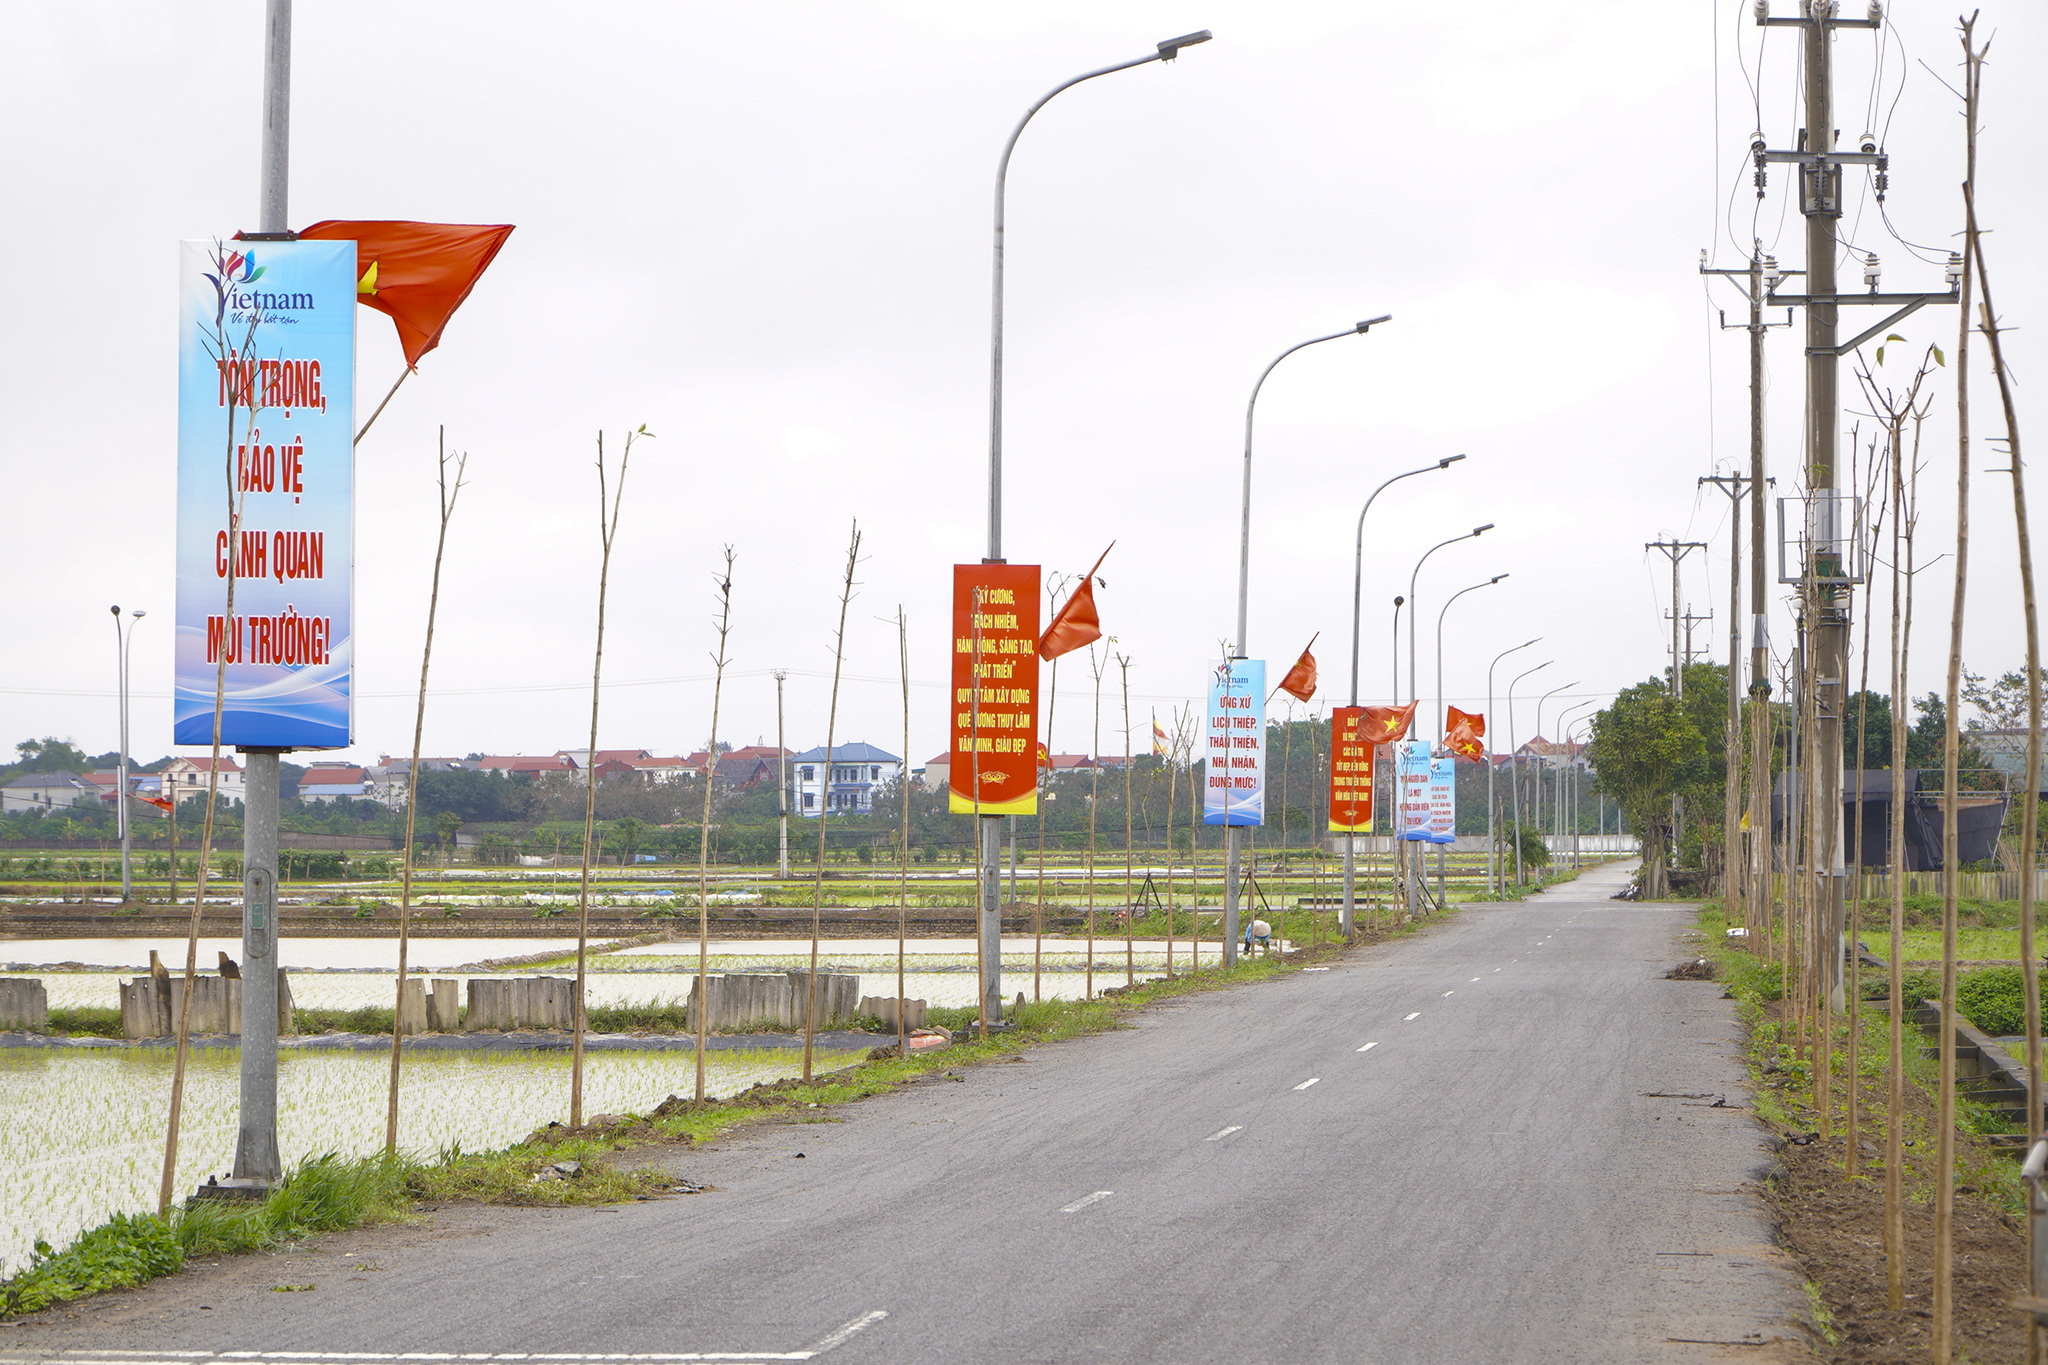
(1411, 789)
(266, 493)
(1234, 744)
(994, 751)
(1443, 800)
(1351, 772)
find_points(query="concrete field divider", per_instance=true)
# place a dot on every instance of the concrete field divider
(150, 1005)
(738, 1002)
(24, 1003)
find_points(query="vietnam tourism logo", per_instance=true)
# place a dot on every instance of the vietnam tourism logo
(235, 268)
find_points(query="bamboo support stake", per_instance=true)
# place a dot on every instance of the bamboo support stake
(824, 805)
(412, 777)
(1095, 664)
(704, 825)
(1903, 521)
(609, 503)
(1945, 1135)
(236, 501)
(2030, 813)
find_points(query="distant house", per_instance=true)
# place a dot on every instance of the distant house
(664, 771)
(744, 769)
(186, 778)
(857, 772)
(519, 765)
(323, 782)
(387, 780)
(48, 791)
(1548, 753)
(936, 772)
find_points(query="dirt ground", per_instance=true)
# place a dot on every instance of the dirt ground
(1834, 1226)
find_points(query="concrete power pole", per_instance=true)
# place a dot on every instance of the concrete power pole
(1676, 551)
(1760, 275)
(1830, 529)
(1734, 485)
(1691, 618)
(256, 1156)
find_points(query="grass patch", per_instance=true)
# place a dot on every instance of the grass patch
(86, 1021)
(130, 1249)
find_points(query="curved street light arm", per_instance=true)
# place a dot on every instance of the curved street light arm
(1412, 612)
(1358, 559)
(1442, 727)
(1244, 538)
(1168, 50)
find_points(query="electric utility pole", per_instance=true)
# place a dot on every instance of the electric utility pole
(1734, 485)
(1830, 522)
(1760, 275)
(1690, 618)
(1676, 551)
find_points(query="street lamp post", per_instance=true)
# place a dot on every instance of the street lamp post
(1536, 797)
(781, 782)
(1496, 881)
(1559, 813)
(1515, 766)
(1443, 717)
(122, 640)
(990, 833)
(1233, 835)
(1414, 610)
(1357, 603)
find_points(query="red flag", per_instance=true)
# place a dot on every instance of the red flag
(1385, 724)
(1462, 732)
(159, 801)
(418, 273)
(1300, 682)
(1076, 623)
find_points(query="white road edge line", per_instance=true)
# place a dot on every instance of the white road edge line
(1368, 1047)
(1307, 1083)
(1085, 1200)
(840, 1335)
(1414, 1016)
(1222, 1133)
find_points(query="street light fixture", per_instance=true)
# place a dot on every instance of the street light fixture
(1557, 801)
(1496, 871)
(1515, 765)
(1443, 717)
(1536, 797)
(1233, 835)
(1357, 595)
(122, 640)
(1410, 880)
(990, 833)
(1358, 565)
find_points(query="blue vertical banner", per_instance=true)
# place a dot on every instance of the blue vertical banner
(1411, 789)
(266, 493)
(1234, 750)
(1443, 800)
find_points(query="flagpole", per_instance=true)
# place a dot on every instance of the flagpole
(1233, 840)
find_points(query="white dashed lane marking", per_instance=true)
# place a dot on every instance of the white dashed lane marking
(1307, 1083)
(1085, 1200)
(1450, 992)
(1368, 1047)
(1414, 1016)
(1222, 1133)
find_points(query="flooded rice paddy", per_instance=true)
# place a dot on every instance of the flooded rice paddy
(82, 1133)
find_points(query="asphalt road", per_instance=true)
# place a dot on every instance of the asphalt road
(1496, 1141)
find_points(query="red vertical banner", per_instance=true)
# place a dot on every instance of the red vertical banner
(994, 768)
(1351, 773)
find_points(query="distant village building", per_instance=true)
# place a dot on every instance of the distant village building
(186, 778)
(857, 772)
(387, 781)
(323, 782)
(47, 792)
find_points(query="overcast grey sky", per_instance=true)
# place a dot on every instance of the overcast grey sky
(764, 232)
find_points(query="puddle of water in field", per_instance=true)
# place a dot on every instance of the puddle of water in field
(96, 1147)
(298, 954)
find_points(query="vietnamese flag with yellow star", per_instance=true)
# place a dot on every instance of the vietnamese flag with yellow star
(416, 273)
(1386, 724)
(1463, 732)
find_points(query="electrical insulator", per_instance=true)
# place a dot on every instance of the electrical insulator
(1954, 272)
(1773, 276)
(1763, 10)
(1876, 12)
(1884, 179)
(1757, 146)
(1871, 271)
(1868, 143)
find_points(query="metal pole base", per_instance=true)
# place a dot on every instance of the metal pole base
(992, 918)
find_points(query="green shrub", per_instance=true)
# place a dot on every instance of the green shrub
(122, 1252)
(1993, 998)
